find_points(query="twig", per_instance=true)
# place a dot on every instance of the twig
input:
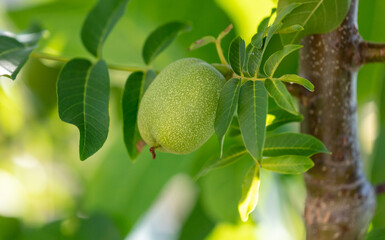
(370, 52)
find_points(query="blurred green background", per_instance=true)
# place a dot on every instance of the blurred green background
(46, 192)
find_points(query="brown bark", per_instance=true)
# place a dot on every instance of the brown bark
(340, 201)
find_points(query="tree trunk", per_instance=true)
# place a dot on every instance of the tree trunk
(340, 201)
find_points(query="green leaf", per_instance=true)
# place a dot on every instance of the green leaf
(277, 24)
(161, 38)
(237, 54)
(277, 116)
(231, 156)
(316, 16)
(83, 96)
(253, 55)
(276, 58)
(13, 55)
(290, 29)
(202, 42)
(287, 164)
(293, 78)
(250, 191)
(134, 89)
(252, 111)
(277, 90)
(293, 144)
(257, 39)
(99, 23)
(227, 105)
(234, 128)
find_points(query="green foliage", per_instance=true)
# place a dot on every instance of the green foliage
(317, 16)
(276, 58)
(227, 105)
(100, 22)
(160, 38)
(83, 96)
(252, 110)
(15, 50)
(287, 164)
(292, 78)
(250, 189)
(293, 144)
(237, 55)
(277, 90)
(136, 85)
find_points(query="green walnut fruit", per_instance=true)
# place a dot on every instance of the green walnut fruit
(177, 111)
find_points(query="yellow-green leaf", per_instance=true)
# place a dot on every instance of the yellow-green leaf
(250, 189)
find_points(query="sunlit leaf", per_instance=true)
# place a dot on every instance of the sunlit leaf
(99, 23)
(293, 144)
(316, 16)
(252, 111)
(161, 38)
(293, 78)
(237, 54)
(250, 191)
(277, 90)
(13, 55)
(134, 89)
(287, 164)
(83, 96)
(202, 42)
(276, 58)
(227, 105)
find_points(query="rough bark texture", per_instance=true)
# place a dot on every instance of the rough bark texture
(340, 201)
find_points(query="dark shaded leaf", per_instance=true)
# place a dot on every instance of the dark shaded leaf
(161, 38)
(237, 54)
(227, 105)
(99, 23)
(136, 85)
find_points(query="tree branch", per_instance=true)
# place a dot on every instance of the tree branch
(371, 52)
